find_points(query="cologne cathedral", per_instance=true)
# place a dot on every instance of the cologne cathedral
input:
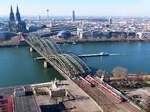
(15, 24)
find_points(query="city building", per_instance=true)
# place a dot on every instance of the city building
(64, 34)
(73, 16)
(109, 20)
(16, 24)
(143, 35)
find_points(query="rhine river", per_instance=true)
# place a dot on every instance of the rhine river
(133, 56)
(17, 66)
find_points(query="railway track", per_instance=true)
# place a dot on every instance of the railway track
(106, 101)
(98, 96)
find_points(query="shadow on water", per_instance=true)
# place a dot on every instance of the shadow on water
(50, 71)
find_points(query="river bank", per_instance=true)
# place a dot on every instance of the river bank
(98, 41)
(12, 43)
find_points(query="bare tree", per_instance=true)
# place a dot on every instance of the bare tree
(119, 71)
(104, 73)
(147, 108)
(99, 73)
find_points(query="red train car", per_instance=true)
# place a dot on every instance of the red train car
(6, 105)
(106, 89)
(88, 83)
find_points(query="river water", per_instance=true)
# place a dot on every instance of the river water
(17, 66)
(135, 56)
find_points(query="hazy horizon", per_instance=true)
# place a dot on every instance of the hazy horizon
(82, 8)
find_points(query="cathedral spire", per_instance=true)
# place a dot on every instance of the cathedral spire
(18, 18)
(11, 16)
(11, 10)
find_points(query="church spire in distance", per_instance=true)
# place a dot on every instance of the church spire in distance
(18, 18)
(11, 17)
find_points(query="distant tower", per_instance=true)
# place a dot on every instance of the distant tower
(39, 18)
(109, 20)
(18, 18)
(73, 16)
(11, 17)
(47, 14)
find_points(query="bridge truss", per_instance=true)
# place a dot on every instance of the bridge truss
(69, 63)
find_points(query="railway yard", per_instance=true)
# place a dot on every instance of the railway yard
(106, 101)
(80, 96)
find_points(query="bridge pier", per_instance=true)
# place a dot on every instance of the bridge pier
(31, 49)
(45, 64)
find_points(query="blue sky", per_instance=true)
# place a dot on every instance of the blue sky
(81, 7)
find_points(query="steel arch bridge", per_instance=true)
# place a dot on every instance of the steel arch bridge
(70, 64)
